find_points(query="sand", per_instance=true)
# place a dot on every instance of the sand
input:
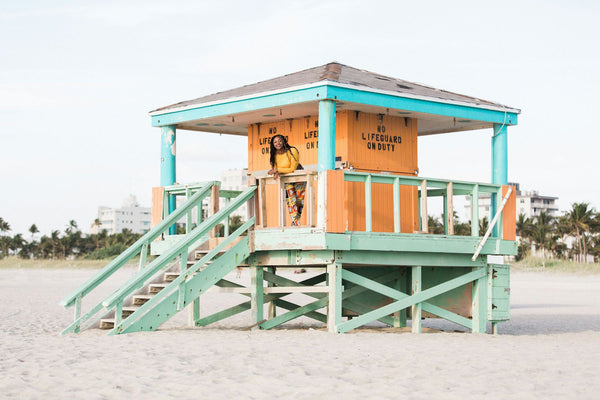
(549, 350)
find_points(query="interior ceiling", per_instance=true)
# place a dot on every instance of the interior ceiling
(237, 124)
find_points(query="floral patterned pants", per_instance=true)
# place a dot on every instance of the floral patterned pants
(295, 200)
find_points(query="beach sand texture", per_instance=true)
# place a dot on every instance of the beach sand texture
(550, 349)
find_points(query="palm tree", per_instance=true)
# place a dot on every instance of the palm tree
(484, 224)
(577, 221)
(4, 226)
(540, 233)
(33, 229)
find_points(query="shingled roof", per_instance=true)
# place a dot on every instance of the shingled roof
(344, 75)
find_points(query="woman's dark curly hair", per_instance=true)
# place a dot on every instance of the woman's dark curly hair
(273, 150)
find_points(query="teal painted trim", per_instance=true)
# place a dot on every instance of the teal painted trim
(417, 287)
(167, 155)
(423, 106)
(412, 300)
(167, 165)
(500, 155)
(240, 106)
(384, 258)
(326, 135)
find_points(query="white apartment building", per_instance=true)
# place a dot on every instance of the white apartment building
(130, 216)
(235, 179)
(529, 203)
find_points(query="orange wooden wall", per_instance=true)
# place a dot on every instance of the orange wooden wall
(366, 143)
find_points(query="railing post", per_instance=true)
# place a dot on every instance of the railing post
(118, 313)
(143, 255)
(424, 221)
(449, 206)
(368, 209)
(188, 220)
(226, 222)
(77, 312)
(475, 211)
(214, 205)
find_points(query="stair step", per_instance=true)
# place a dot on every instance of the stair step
(170, 276)
(107, 323)
(140, 299)
(157, 287)
(127, 311)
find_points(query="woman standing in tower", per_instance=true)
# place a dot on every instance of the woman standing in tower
(284, 160)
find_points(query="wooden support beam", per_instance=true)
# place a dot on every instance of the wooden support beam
(334, 310)
(417, 286)
(479, 304)
(424, 210)
(475, 211)
(214, 207)
(416, 298)
(257, 293)
(449, 210)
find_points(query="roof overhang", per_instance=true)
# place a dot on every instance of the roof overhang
(233, 115)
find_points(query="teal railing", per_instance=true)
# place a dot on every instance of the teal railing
(140, 248)
(427, 188)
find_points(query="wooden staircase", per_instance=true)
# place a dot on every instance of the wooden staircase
(151, 289)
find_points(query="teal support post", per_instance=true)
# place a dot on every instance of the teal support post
(334, 309)
(479, 305)
(257, 293)
(417, 286)
(500, 155)
(167, 164)
(499, 164)
(401, 286)
(326, 135)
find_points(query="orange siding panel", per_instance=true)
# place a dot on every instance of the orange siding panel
(509, 215)
(367, 143)
(335, 209)
(157, 206)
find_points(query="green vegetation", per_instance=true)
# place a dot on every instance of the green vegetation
(69, 244)
(538, 264)
(72, 244)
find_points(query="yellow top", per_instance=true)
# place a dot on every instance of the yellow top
(287, 162)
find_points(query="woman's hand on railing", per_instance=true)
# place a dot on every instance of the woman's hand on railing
(274, 172)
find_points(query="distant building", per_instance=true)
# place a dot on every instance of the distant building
(529, 203)
(130, 216)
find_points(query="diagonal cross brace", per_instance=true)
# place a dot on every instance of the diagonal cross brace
(410, 300)
(322, 302)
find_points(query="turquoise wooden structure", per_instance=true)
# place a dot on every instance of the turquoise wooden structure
(366, 275)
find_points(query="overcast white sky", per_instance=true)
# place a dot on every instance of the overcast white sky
(78, 78)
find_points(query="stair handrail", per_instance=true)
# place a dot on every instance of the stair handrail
(157, 298)
(492, 224)
(138, 280)
(136, 248)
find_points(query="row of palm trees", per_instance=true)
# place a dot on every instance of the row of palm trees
(575, 235)
(69, 243)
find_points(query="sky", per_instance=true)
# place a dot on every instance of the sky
(78, 79)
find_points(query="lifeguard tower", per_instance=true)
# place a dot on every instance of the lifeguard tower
(365, 219)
